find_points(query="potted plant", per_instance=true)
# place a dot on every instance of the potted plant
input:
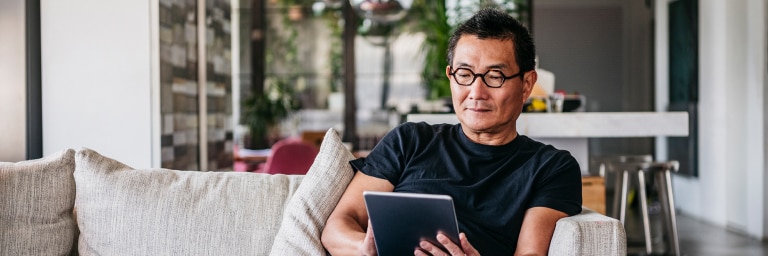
(433, 22)
(262, 113)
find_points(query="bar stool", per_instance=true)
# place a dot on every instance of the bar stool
(622, 165)
(661, 171)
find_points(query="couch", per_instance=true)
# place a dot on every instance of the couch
(81, 202)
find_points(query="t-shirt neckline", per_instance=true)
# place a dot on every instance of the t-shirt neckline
(508, 148)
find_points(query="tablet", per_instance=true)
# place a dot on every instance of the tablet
(401, 220)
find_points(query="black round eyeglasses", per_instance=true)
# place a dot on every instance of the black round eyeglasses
(491, 78)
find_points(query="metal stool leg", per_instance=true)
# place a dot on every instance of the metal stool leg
(644, 211)
(668, 205)
(617, 188)
(623, 198)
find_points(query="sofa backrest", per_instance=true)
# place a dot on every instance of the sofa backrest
(90, 204)
(120, 209)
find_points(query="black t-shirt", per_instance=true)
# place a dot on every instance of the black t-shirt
(492, 186)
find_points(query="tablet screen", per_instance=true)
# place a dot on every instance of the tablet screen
(401, 220)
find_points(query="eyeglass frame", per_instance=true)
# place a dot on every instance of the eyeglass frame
(482, 76)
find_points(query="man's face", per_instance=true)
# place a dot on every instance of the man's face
(482, 109)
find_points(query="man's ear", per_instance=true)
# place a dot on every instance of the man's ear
(448, 72)
(529, 79)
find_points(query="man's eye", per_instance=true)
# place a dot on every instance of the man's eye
(464, 75)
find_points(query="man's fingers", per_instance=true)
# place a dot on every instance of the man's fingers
(468, 248)
(431, 249)
(453, 249)
(425, 247)
(369, 233)
(369, 245)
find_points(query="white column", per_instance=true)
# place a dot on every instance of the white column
(97, 78)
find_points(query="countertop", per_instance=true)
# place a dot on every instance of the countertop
(587, 124)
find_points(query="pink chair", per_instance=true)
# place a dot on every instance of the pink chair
(290, 156)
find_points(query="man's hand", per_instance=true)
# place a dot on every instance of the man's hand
(368, 246)
(452, 248)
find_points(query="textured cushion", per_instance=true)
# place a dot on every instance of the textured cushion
(36, 200)
(315, 199)
(124, 211)
(588, 233)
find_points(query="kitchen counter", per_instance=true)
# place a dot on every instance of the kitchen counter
(587, 124)
(570, 130)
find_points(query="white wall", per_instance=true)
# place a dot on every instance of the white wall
(765, 122)
(756, 110)
(730, 189)
(97, 78)
(13, 82)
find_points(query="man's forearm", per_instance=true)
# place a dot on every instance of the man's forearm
(342, 236)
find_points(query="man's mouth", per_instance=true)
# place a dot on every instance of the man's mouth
(477, 106)
(478, 109)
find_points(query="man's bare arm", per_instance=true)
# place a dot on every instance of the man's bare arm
(536, 232)
(345, 229)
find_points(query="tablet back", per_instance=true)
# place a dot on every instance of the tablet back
(401, 220)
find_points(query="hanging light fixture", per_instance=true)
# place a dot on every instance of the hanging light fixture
(382, 11)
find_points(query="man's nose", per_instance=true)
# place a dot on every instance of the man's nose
(478, 89)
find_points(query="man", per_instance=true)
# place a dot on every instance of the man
(508, 190)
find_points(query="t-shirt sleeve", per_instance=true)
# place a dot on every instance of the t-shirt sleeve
(386, 160)
(560, 186)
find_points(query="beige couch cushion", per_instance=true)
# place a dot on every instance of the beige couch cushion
(588, 233)
(317, 196)
(36, 199)
(125, 211)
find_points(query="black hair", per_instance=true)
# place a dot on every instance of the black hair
(495, 24)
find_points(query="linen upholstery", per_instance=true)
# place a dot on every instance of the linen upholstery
(36, 200)
(314, 200)
(126, 211)
(588, 233)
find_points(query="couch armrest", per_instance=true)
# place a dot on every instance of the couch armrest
(588, 233)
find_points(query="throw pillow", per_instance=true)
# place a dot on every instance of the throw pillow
(315, 199)
(127, 211)
(36, 200)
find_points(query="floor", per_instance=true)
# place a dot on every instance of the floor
(700, 238)
(697, 238)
